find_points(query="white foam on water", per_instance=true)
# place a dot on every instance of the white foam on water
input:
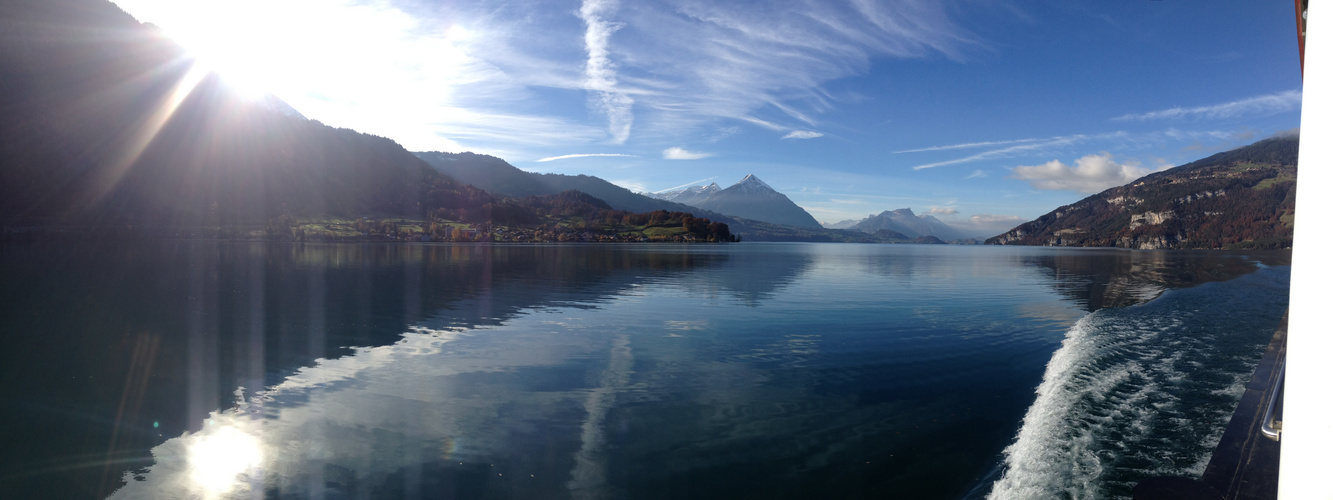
(1118, 403)
(1101, 396)
(1131, 393)
(1050, 457)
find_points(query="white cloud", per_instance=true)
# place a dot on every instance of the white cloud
(584, 155)
(1291, 132)
(996, 219)
(1264, 104)
(1090, 174)
(631, 185)
(601, 72)
(975, 174)
(942, 211)
(681, 154)
(803, 134)
(988, 224)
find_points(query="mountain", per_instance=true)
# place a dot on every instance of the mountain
(498, 176)
(105, 122)
(908, 223)
(1243, 198)
(750, 198)
(843, 224)
(690, 195)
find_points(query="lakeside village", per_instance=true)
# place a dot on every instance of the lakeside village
(658, 226)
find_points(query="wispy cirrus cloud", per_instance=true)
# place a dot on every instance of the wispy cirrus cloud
(722, 133)
(585, 155)
(1026, 146)
(1257, 105)
(1089, 174)
(1066, 143)
(767, 65)
(424, 75)
(967, 145)
(678, 153)
(601, 73)
(803, 134)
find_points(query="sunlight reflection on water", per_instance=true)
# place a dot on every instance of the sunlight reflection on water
(220, 455)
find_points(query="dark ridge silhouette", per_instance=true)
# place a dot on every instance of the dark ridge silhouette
(106, 121)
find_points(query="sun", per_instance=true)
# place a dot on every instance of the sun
(240, 40)
(240, 73)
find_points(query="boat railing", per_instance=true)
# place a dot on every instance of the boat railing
(1272, 422)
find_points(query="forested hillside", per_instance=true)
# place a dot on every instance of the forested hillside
(1244, 198)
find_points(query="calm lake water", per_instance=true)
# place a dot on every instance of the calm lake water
(230, 370)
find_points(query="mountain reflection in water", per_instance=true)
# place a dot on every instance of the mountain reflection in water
(583, 371)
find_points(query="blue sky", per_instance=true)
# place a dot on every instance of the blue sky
(982, 113)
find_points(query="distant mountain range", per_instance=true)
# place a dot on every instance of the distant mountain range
(729, 205)
(750, 198)
(842, 224)
(902, 221)
(498, 176)
(1244, 198)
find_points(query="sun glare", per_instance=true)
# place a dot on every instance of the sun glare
(219, 458)
(349, 63)
(240, 40)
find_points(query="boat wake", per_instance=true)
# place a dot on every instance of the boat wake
(1140, 391)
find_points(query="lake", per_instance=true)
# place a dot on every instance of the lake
(186, 369)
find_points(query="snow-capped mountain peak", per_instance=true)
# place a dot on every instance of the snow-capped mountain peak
(750, 198)
(752, 184)
(691, 192)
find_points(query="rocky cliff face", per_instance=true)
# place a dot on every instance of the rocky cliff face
(1244, 198)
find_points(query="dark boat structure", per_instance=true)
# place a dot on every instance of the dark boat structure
(1247, 459)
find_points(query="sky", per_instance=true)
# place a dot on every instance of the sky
(983, 114)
